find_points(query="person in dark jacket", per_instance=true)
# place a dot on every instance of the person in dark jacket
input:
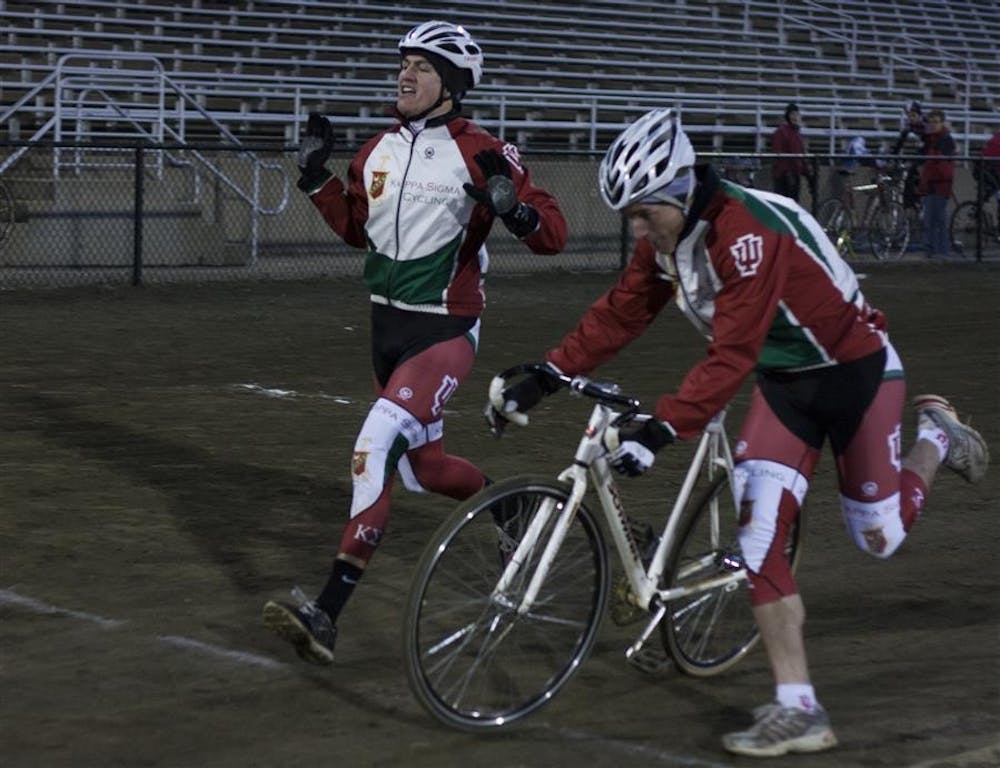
(787, 139)
(914, 124)
(936, 178)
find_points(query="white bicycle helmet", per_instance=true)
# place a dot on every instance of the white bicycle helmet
(449, 41)
(650, 160)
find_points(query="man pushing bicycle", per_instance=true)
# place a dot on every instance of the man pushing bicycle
(756, 274)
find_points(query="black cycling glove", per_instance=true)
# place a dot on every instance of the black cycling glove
(315, 149)
(512, 402)
(500, 196)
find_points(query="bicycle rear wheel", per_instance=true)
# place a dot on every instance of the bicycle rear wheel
(964, 223)
(709, 631)
(889, 231)
(471, 659)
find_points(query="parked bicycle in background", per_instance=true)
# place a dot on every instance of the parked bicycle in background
(886, 223)
(975, 224)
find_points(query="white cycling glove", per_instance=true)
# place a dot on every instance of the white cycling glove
(633, 447)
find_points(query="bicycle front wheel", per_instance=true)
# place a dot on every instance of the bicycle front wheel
(475, 659)
(889, 231)
(710, 630)
(838, 223)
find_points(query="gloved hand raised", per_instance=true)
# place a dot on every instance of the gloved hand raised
(633, 447)
(315, 149)
(508, 404)
(500, 196)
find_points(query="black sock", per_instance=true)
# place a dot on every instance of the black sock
(343, 578)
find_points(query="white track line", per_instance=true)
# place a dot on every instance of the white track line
(258, 389)
(9, 597)
(223, 653)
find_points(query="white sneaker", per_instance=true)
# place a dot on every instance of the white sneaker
(967, 455)
(778, 730)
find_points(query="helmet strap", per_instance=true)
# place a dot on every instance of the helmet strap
(441, 99)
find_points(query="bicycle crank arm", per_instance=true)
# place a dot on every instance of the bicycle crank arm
(653, 623)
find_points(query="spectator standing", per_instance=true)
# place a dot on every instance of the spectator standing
(422, 197)
(936, 179)
(787, 139)
(913, 125)
(912, 130)
(755, 273)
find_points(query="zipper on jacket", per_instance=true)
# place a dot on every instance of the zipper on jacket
(399, 208)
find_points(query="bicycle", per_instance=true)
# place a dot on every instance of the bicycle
(500, 615)
(884, 224)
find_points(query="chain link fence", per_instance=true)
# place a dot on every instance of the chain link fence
(137, 214)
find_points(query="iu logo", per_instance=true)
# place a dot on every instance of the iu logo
(748, 252)
(448, 386)
(895, 442)
(512, 154)
(378, 184)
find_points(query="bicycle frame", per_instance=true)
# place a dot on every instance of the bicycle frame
(591, 465)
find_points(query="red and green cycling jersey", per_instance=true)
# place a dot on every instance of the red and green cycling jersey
(404, 201)
(756, 275)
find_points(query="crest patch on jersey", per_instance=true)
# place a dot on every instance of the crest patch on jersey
(875, 540)
(359, 463)
(378, 184)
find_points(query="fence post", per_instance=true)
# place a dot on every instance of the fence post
(140, 162)
(979, 164)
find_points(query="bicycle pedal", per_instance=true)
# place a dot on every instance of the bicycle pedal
(651, 661)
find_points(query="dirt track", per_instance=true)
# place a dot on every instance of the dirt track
(153, 495)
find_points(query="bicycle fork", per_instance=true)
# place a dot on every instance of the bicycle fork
(590, 447)
(530, 540)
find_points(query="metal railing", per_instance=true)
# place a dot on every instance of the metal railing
(88, 95)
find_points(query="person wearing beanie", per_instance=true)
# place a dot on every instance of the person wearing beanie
(937, 176)
(421, 198)
(788, 143)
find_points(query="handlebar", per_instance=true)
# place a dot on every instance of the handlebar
(606, 392)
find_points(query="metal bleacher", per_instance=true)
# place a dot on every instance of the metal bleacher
(559, 75)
